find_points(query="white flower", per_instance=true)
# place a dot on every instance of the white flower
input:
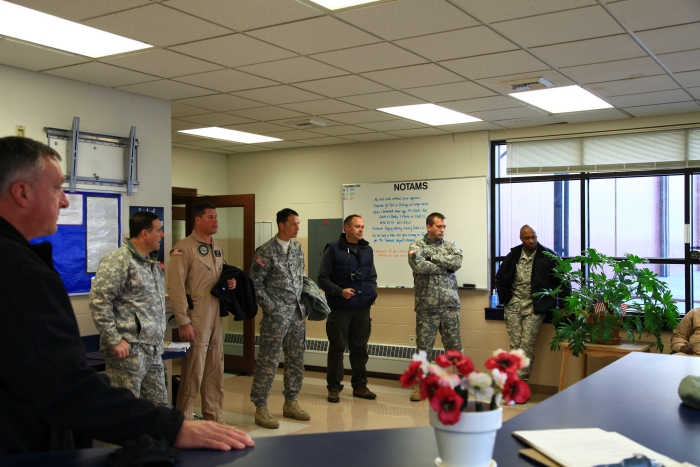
(520, 353)
(498, 352)
(480, 385)
(499, 377)
(446, 378)
(422, 357)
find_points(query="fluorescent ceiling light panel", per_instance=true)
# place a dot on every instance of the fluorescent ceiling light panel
(338, 4)
(43, 29)
(430, 114)
(224, 134)
(561, 100)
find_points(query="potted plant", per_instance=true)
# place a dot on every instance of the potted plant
(616, 296)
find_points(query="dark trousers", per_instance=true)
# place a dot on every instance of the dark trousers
(351, 330)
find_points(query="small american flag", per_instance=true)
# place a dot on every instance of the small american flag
(599, 307)
(623, 308)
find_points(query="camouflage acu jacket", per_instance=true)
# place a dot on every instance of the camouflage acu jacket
(435, 281)
(127, 299)
(279, 279)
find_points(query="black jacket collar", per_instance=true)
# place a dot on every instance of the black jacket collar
(343, 242)
(42, 250)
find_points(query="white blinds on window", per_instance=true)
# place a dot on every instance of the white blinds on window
(619, 152)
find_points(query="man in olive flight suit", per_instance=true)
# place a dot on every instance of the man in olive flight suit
(434, 262)
(195, 267)
(278, 275)
(127, 303)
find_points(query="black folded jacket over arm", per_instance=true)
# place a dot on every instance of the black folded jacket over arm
(241, 301)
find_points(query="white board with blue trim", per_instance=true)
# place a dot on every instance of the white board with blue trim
(394, 214)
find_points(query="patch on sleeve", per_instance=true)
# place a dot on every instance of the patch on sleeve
(176, 252)
(261, 261)
(256, 268)
(410, 252)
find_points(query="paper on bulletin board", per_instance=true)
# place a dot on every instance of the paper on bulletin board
(102, 229)
(73, 214)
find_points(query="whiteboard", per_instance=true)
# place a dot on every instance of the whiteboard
(394, 214)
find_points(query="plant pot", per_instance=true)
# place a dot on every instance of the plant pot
(469, 442)
(615, 340)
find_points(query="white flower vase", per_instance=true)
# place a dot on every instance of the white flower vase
(469, 442)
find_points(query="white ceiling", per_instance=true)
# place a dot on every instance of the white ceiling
(257, 65)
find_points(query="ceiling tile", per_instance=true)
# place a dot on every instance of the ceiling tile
(176, 137)
(506, 114)
(157, 25)
(209, 143)
(526, 122)
(278, 95)
(268, 113)
(633, 86)
(672, 39)
(294, 135)
(292, 70)
(99, 73)
(602, 49)
(497, 82)
(166, 89)
(408, 18)
(215, 119)
(382, 99)
(314, 35)
(221, 102)
(413, 76)
(695, 92)
(483, 103)
(451, 91)
(243, 15)
(226, 80)
(651, 14)
(681, 61)
(323, 106)
(393, 125)
(35, 58)
(177, 125)
(467, 127)
(161, 63)
(501, 10)
(650, 98)
(461, 43)
(327, 141)
(77, 10)
(181, 110)
(340, 130)
(499, 64)
(341, 86)
(257, 127)
(562, 26)
(370, 57)
(365, 116)
(418, 132)
(663, 109)
(248, 148)
(234, 50)
(283, 145)
(592, 116)
(612, 71)
(372, 137)
(688, 78)
(290, 122)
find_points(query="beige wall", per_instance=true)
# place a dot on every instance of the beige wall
(36, 100)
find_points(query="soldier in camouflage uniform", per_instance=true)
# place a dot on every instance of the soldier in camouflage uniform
(278, 274)
(127, 303)
(525, 270)
(434, 262)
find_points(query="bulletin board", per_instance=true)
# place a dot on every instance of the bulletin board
(88, 230)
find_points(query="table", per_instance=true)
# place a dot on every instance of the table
(636, 396)
(597, 350)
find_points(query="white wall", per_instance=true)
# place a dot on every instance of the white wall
(36, 100)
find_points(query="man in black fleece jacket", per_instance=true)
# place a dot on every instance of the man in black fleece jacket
(49, 398)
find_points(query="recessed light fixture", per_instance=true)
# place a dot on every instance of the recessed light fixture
(430, 114)
(58, 33)
(561, 100)
(338, 4)
(229, 135)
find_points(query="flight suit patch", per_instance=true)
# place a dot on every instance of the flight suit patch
(203, 250)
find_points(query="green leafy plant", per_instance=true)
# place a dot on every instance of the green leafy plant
(615, 296)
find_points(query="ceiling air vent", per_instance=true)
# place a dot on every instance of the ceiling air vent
(306, 124)
(528, 84)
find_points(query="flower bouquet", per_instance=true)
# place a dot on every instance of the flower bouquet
(450, 381)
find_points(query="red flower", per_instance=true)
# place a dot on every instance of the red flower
(412, 375)
(428, 386)
(447, 404)
(516, 390)
(504, 361)
(465, 367)
(451, 357)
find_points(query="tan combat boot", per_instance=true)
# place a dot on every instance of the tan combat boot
(264, 419)
(415, 395)
(291, 409)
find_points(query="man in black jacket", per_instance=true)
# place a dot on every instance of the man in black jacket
(49, 398)
(526, 270)
(348, 277)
